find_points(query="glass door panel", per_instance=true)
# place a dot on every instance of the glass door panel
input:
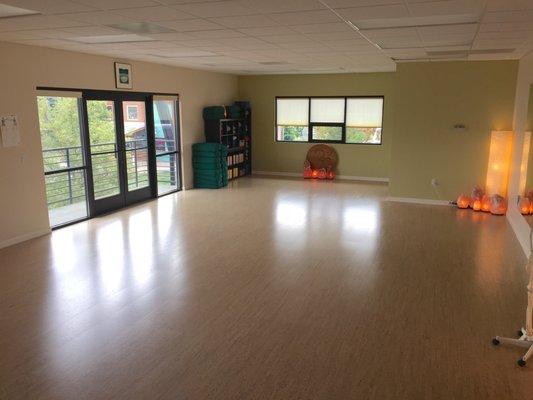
(136, 144)
(166, 146)
(63, 158)
(104, 149)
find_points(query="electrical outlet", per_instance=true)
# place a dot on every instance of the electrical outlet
(434, 182)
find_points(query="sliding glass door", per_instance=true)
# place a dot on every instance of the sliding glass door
(167, 145)
(63, 157)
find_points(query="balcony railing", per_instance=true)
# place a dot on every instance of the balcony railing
(65, 169)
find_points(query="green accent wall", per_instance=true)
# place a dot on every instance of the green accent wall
(433, 97)
(423, 101)
(354, 160)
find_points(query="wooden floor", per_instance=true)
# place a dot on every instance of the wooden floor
(273, 289)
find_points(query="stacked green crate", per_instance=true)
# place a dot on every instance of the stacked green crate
(209, 161)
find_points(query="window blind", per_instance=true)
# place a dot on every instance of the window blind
(293, 112)
(364, 113)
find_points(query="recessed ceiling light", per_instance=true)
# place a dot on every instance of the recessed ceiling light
(10, 11)
(141, 27)
(412, 22)
(111, 39)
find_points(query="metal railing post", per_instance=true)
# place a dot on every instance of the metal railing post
(69, 179)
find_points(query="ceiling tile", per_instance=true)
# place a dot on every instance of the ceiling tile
(363, 13)
(278, 6)
(447, 7)
(191, 25)
(217, 9)
(266, 30)
(323, 28)
(249, 21)
(154, 14)
(508, 16)
(305, 17)
(508, 5)
(97, 18)
(217, 34)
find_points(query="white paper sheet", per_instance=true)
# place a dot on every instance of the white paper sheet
(10, 131)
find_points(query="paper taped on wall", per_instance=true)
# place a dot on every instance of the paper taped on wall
(10, 131)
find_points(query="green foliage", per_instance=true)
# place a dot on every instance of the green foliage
(327, 133)
(294, 133)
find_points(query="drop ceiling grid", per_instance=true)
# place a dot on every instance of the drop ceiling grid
(300, 35)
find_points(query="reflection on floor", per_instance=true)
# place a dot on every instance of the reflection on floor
(271, 289)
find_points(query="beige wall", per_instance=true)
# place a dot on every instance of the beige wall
(432, 97)
(23, 209)
(354, 160)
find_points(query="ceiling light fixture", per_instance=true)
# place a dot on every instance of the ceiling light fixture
(141, 27)
(111, 39)
(416, 22)
(7, 11)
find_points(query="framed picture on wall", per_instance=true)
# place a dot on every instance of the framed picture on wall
(123, 76)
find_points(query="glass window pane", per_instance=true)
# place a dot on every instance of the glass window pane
(167, 173)
(59, 123)
(165, 126)
(327, 133)
(65, 195)
(327, 110)
(101, 118)
(363, 135)
(60, 132)
(137, 169)
(105, 175)
(135, 129)
(292, 112)
(292, 133)
(364, 113)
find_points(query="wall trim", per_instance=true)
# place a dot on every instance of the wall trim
(25, 237)
(341, 177)
(414, 200)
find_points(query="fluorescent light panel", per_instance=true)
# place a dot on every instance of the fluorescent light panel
(10, 11)
(127, 38)
(141, 27)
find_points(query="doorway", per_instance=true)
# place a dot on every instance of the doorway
(128, 150)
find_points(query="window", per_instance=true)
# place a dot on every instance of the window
(363, 120)
(292, 116)
(133, 113)
(353, 120)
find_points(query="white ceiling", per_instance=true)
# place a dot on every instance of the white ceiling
(277, 36)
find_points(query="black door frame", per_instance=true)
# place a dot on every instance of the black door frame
(125, 197)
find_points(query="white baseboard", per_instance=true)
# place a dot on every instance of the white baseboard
(23, 238)
(341, 177)
(414, 200)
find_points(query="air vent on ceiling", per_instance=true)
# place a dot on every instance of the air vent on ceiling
(141, 27)
(111, 39)
(464, 53)
(412, 22)
(10, 11)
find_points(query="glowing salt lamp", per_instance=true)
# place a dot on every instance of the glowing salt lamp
(501, 147)
(498, 205)
(524, 205)
(314, 174)
(530, 207)
(476, 205)
(485, 203)
(463, 201)
(331, 175)
(322, 174)
(308, 172)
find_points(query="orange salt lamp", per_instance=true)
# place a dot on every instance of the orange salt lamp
(463, 201)
(498, 205)
(476, 205)
(314, 174)
(485, 203)
(331, 175)
(322, 174)
(524, 205)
